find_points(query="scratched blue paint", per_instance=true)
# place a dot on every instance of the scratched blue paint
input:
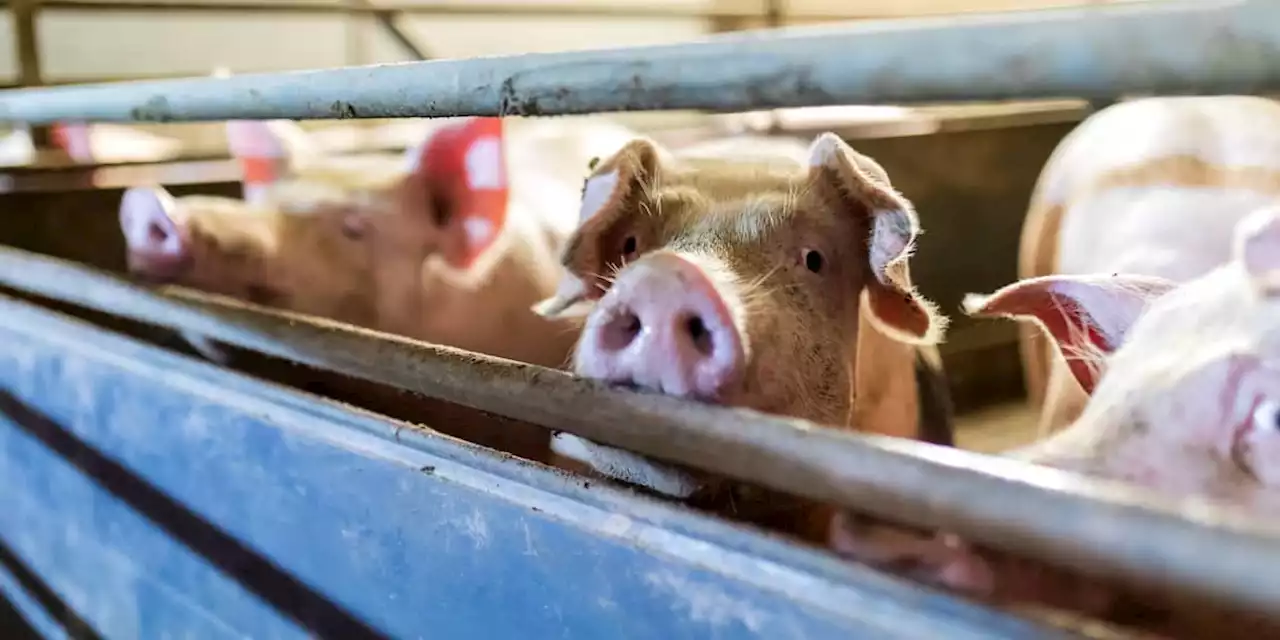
(159, 496)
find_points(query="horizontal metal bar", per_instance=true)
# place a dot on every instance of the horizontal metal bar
(1187, 47)
(563, 10)
(1102, 529)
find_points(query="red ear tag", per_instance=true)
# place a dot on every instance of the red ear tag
(258, 174)
(73, 138)
(466, 166)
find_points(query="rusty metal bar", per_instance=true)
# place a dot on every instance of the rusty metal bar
(1103, 529)
(1175, 47)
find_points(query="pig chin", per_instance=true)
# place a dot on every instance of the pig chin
(158, 269)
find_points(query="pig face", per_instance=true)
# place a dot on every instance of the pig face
(443, 212)
(739, 281)
(304, 263)
(1185, 400)
(1185, 381)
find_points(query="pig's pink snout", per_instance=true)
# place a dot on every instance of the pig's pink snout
(663, 326)
(157, 243)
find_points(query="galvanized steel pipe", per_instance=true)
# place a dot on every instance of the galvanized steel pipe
(1103, 529)
(1184, 47)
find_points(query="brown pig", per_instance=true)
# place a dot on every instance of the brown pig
(743, 281)
(1185, 401)
(449, 249)
(1148, 187)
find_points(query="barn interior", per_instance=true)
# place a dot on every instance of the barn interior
(969, 168)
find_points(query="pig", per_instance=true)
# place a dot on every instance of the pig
(446, 248)
(749, 282)
(1151, 186)
(1184, 382)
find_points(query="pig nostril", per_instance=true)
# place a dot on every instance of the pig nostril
(621, 331)
(701, 336)
(157, 233)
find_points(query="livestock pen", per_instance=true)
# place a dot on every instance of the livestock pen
(149, 493)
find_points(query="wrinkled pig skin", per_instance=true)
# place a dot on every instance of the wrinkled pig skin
(1184, 384)
(1152, 186)
(748, 281)
(361, 241)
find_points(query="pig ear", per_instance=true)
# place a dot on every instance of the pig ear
(267, 150)
(862, 186)
(1257, 248)
(74, 138)
(463, 168)
(141, 204)
(612, 191)
(1087, 316)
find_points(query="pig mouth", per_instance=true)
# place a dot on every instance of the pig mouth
(157, 269)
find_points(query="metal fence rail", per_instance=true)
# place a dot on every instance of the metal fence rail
(1097, 52)
(1103, 529)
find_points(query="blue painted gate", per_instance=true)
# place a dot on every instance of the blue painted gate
(149, 495)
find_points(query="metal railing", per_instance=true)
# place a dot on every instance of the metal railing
(1102, 529)
(1175, 47)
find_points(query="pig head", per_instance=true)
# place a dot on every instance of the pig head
(741, 282)
(1151, 186)
(1185, 400)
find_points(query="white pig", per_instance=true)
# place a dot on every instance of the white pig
(1153, 187)
(1186, 403)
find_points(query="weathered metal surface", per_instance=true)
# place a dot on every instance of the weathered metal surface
(1220, 46)
(150, 495)
(1100, 528)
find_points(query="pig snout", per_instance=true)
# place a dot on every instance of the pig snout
(663, 326)
(158, 245)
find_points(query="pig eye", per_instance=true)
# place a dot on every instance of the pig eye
(814, 261)
(629, 246)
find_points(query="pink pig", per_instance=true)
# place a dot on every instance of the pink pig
(445, 245)
(1150, 187)
(1185, 400)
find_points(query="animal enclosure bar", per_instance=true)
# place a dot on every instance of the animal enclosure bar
(1095, 52)
(81, 373)
(1100, 528)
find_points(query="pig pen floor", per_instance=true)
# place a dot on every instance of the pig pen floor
(995, 428)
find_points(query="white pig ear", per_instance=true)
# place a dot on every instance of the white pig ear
(1257, 248)
(861, 184)
(142, 206)
(267, 150)
(1088, 316)
(607, 234)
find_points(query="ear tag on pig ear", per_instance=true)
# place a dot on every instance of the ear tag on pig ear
(1087, 316)
(465, 166)
(74, 139)
(262, 152)
(1257, 248)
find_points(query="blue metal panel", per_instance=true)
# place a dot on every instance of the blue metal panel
(149, 495)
